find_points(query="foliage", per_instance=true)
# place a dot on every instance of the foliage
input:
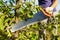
(26, 10)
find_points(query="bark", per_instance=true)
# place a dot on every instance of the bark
(16, 18)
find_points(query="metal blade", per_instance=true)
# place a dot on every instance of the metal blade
(29, 22)
(22, 24)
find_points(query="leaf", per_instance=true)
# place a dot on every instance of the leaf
(1, 4)
(30, 15)
(7, 19)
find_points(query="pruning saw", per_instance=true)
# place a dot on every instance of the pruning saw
(23, 24)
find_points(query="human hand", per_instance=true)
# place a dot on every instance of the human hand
(49, 10)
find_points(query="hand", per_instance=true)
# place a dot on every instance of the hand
(49, 10)
(49, 14)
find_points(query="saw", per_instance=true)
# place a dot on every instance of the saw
(29, 22)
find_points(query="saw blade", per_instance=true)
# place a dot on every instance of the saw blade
(29, 22)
